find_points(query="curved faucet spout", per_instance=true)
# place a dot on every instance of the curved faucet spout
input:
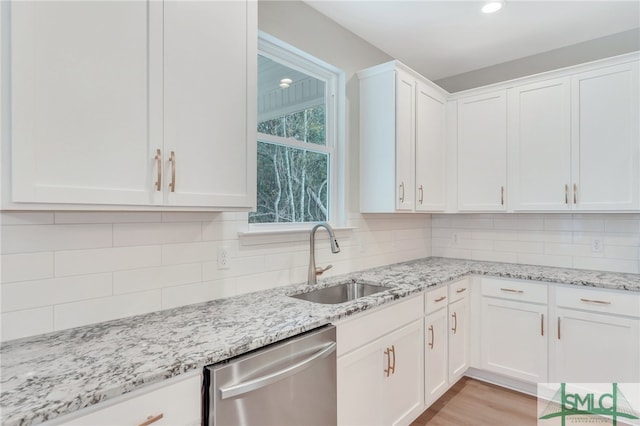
(335, 248)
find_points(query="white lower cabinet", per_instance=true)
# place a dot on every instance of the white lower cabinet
(596, 337)
(514, 329)
(380, 381)
(447, 340)
(177, 403)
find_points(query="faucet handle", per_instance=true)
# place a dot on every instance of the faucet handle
(320, 271)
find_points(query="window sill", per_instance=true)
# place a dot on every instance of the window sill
(286, 235)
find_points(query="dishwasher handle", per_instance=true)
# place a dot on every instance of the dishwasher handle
(259, 382)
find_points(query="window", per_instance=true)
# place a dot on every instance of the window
(298, 128)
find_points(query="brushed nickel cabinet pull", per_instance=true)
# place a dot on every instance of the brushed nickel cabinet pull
(502, 195)
(402, 192)
(455, 323)
(391, 366)
(440, 299)
(158, 159)
(510, 290)
(558, 328)
(151, 419)
(421, 196)
(542, 324)
(600, 302)
(172, 160)
(566, 194)
(575, 194)
(432, 337)
(460, 290)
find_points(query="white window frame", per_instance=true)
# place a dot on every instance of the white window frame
(334, 78)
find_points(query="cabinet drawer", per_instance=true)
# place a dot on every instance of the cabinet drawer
(458, 290)
(179, 403)
(609, 301)
(367, 327)
(532, 292)
(436, 299)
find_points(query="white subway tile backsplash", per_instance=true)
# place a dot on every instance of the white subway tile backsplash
(174, 254)
(28, 322)
(35, 238)
(199, 292)
(78, 262)
(26, 218)
(563, 240)
(26, 266)
(107, 217)
(33, 294)
(191, 216)
(141, 234)
(85, 312)
(153, 278)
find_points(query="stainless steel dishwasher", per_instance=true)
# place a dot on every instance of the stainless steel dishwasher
(289, 383)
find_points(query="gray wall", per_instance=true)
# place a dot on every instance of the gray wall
(303, 27)
(612, 45)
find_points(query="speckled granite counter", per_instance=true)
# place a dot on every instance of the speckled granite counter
(46, 376)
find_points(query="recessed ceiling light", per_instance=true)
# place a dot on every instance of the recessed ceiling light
(492, 6)
(286, 81)
(284, 85)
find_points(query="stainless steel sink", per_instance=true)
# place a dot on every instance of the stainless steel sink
(343, 292)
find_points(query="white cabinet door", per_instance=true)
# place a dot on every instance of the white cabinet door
(540, 146)
(405, 137)
(430, 157)
(360, 374)
(176, 403)
(595, 348)
(458, 339)
(82, 77)
(436, 380)
(514, 339)
(605, 139)
(403, 388)
(482, 152)
(381, 382)
(209, 88)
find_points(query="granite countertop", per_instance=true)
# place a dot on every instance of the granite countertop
(46, 376)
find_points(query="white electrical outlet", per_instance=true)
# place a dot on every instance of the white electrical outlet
(223, 257)
(596, 245)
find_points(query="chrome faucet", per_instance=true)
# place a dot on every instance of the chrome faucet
(335, 248)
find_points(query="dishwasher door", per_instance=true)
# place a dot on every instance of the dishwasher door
(290, 383)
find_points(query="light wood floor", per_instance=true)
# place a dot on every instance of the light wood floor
(474, 403)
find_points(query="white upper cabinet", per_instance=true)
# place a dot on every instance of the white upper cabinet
(402, 141)
(605, 140)
(430, 151)
(482, 152)
(133, 104)
(540, 146)
(405, 140)
(209, 102)
(81, 78)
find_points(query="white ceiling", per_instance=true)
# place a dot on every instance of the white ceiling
(445, 38)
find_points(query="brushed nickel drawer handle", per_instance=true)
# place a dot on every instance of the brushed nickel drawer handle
(440, 299)
(566, 194)
(510, 290)
(151, 419)
(600, 302)
(421, 196)
(391, 366)
(575, 194)
(158, 159)
(455, 323)
(461, 290)
(172, 160)
(432, 337)
(542, 324)
(402, 192)
(502, 195)
(558, 328)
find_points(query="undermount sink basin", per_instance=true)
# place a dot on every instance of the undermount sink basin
(343, 292)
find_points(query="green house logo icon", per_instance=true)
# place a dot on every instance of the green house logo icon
(613, 405)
